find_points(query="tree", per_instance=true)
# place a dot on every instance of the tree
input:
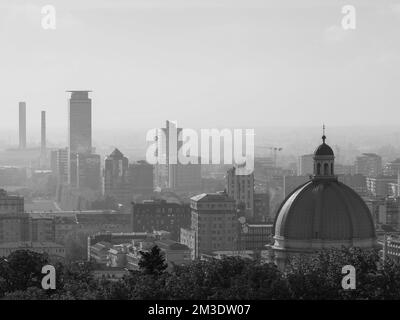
(320, 276)
(314, 277)
(228, 278)
(152, 262)
(22, 269)
(77, 282)
(31, 293)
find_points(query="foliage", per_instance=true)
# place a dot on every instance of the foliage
(229, 278)
(317, 277)
(152, 262)
(21, 269)
(320, 276)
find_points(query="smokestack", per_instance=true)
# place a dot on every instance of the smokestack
(22, 125)
(43, 141)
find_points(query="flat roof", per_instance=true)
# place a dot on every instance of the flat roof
(78, 91)
(31, 245)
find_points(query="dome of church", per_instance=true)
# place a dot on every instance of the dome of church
(323, 213)
(324, 210)
(323, 149)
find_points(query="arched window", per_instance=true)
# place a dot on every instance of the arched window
(326, 169)
(331, 168)
(318, 168)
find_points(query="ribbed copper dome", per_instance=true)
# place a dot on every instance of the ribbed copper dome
(324, 211)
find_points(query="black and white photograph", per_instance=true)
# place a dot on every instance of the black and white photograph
(199, 158)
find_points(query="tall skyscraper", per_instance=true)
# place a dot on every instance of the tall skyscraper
(80, 122)
(171, 174)
(43, 150)
(167, 143)
(43, 132)
(80, 138)
(22, 125)
(60, 165)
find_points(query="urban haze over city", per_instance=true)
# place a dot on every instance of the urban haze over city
(199, 150)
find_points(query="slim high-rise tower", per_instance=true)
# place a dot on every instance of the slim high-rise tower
(80, 122)
(43, 151)
(22, 125)
(43, 133)
(79, 133)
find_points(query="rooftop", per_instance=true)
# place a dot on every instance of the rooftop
(171, 245)
(212, 197)
(31, 244)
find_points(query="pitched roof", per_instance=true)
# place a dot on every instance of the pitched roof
(116, 154)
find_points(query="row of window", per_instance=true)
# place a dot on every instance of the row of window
(214, 225)
(215, 218)
(213, 205)
(199, 238)
(160, 210)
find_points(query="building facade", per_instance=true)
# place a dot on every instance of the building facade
(291, 183)
(10, 204)
(214, 224)
(80, 122)
(255, 236)
(116, 177)
(240, 187)
(141, 177)
(160, 215)
(261, 207)
(22, 125)
(369, 165)
(305, 166)
(85, 171)
(379, 186)
(357, 182)
(42, 229)
(60, 165)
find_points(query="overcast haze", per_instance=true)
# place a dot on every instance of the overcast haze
(206, 64)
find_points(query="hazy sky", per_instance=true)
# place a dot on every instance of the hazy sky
(220, 63)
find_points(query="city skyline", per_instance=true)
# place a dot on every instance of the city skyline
(199, 150)
(152, 62)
